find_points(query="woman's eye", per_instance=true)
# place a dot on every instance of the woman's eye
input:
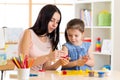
(57, 22)
(52, 20)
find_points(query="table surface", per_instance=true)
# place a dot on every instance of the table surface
(54, 75)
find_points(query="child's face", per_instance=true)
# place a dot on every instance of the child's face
(74, 36)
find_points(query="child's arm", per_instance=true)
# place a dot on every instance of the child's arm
(79, 62)
(90, 61)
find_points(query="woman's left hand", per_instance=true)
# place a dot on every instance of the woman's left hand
(64, 61)
(60, 54)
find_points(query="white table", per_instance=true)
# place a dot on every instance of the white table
(52, 75)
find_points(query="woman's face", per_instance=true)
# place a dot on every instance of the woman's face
(53, 23)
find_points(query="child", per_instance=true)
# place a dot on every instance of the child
(78, 50)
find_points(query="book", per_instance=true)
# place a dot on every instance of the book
(85, 15)
(106, 46)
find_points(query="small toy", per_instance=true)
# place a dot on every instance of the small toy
(91, 73)
(98, 45)
(87, 70)
(64, 72)
(107, 71)
(42, 70)
(100, 74)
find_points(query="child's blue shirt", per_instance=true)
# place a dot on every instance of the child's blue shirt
(74, 52)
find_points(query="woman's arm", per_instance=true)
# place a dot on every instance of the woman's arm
(24, 48)
(25, 43)
(49, 65)
(45, 59)
(53, 64)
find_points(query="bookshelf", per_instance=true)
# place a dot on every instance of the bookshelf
(93, 30)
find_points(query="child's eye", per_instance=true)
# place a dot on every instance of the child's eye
(69, 35)
(76, 35)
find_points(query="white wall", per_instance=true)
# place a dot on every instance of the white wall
(116, 56)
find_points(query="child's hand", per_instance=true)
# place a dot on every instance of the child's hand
(85, 58)
(80, 62)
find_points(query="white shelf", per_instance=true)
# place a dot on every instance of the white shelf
(90, 1)
(94, 31)
(99, 53)
(109, 27)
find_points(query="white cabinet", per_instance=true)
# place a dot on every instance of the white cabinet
(89, 11)
(116, 57)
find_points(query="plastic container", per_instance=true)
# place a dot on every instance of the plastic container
(104, 18)
(91, 73)
(107, 67)
(101, 74)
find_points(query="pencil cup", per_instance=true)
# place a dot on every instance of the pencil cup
(23, 74)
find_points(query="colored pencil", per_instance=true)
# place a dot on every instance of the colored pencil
(16, 62)
(31, 63)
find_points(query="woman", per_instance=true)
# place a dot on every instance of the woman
(40, 41)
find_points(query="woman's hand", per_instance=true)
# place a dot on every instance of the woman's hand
(57, 54)
(60, 54)
(63, 61)
(51, 56)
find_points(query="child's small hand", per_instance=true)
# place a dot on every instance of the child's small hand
(80, 62)
(85, 58)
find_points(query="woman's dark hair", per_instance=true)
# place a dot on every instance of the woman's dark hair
(74, 24)
(41, 25)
